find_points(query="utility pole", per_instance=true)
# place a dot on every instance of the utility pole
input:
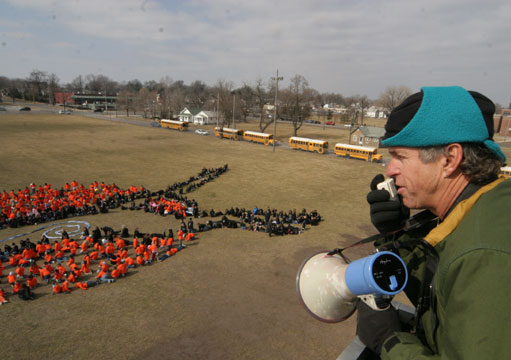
(217, 105)
(233, 109)
(276, 79)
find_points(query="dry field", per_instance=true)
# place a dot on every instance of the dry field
(229, 295)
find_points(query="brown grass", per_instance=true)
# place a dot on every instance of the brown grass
(231, 294)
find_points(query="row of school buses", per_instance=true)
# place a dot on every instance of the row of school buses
(299, 143)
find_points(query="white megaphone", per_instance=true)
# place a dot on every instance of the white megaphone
(329, 287)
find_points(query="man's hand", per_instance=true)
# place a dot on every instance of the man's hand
(374, 327)
(386, 215)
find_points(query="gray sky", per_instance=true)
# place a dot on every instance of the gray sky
(343, 46)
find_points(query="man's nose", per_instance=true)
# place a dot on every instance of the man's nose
(392, 170)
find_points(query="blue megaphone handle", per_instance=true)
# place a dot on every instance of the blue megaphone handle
(360, 275)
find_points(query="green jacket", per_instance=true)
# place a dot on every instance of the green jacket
(469, 316)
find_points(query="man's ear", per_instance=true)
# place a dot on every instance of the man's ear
(453, 156)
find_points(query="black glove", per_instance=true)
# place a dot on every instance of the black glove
(374, 327)
(386, 215)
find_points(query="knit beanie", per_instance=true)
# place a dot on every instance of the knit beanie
(440, 116)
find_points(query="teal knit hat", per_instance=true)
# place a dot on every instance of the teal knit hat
(440, 116)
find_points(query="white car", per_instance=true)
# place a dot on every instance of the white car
(201, 132)
(65, 111)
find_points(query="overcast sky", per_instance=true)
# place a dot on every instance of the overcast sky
(343, 46)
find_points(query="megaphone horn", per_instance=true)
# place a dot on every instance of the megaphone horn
(328, 286)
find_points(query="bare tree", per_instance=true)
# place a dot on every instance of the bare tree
(363, 103)
(261, 97)
(77, 85)
(353, 109)
(146, 102)
(53, 85)
(133, 86)
(4, 86)
(392, 96)
(296, 99)
(332, 98)
(36, 82)
(16, 89)
(223, 91)
(126, 100)
(198, 94)
(177, 97)
(246, 96)
(100, 84)
(163, 98)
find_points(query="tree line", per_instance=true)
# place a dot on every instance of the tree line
(167, 97)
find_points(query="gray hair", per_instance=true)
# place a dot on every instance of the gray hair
(479, 163)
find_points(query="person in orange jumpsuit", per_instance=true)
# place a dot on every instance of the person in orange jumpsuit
(115, 273)
(130, 262)
(56, 288)
(34, 269)
(48, 257)
(123, 268)
(11, 278)
(140, 260)
(3, 298)
(71, 277)
(82, 285)
(20, 272)
(45, 274)
(17, 287)
(31, 282)
(94, 255)
(85, 268)
(65, 287)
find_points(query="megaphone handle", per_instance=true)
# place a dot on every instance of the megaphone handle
(376, 302)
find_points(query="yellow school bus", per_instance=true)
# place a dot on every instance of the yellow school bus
(173, 124)
(228, 133)
(313, 145)
(258, 137)
(359, 152)
(505, 172)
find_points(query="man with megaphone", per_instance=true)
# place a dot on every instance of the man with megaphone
(457, 251)
(452, 259)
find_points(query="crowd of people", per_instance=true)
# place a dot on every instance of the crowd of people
(270, 221)
(104, 255)
(64, 265)
(39, 204)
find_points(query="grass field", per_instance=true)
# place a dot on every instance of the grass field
(229, 295)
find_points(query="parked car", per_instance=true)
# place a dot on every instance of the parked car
(98, 110)
(65, 111)
(25, 108)
(201, 132)
(330, 123)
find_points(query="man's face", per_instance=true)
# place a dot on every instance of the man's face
(418, 183)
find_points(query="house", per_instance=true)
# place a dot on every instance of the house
(197, 116)
(187, 114)
(502, 123)
(374, 112)
(366, 135)
(205, 118)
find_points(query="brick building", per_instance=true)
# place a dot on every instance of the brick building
(502, 123)
(63, 97)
